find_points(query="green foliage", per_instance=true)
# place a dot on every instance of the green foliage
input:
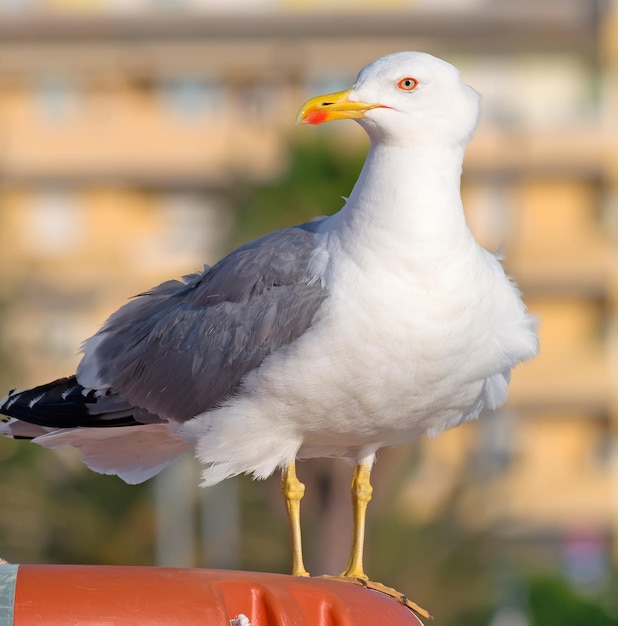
(55, 510)
(317, 177)
(554, 603)
(440, 565)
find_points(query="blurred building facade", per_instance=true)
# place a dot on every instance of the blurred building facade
(126, 126)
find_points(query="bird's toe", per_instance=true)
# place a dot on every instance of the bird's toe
(389, 591)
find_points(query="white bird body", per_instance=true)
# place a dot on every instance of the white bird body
(420, 331)
(417, 332)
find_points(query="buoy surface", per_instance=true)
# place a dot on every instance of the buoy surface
(66, 595)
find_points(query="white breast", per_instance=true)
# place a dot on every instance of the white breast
(397, 353)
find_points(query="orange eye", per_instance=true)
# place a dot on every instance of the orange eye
(408, 83)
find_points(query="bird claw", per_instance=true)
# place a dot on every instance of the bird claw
(389, 591)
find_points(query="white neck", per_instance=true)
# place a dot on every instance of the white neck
(407, 198)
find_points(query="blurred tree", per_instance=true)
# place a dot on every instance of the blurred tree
(554, 603)
(54, 510)
(319, 173)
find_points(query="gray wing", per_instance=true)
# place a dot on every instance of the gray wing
(184, 347)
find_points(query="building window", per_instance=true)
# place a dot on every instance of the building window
(489, 211)
(54, 223)
(189, 98)
(58, 98)
(497, 441)
(61, 331)
(255, 100)
(195, 223)
(327, 84)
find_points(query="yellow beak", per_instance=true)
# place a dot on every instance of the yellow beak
(334, 106)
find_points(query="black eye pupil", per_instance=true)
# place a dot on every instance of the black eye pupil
(407, 83)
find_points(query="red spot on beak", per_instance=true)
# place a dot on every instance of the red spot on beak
(316, 117)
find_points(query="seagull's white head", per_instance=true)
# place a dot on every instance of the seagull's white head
(404, 99)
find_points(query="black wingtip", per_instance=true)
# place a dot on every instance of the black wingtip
(64, 403)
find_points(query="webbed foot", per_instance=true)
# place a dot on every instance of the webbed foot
(389, 591)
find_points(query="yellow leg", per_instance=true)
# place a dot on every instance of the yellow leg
(354, 572)
(293, 491)
(361, 495)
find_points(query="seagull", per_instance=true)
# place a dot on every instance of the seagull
(333, 338)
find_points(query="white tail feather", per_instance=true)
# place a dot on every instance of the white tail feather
(13, 427)
(134, 453)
